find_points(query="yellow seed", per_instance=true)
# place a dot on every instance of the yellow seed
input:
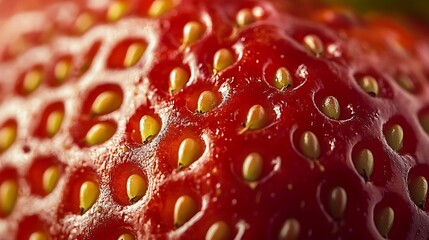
(337, 202)
(62, 71)
(222, 59)
(99, 133)
(54, 122)
(50, 179)
(136, 187)
(331, 107)
(7, 137)
(406, 83)
(256, 117)
(39, 235)
(149, 128)
(134, 53)
(84, 22)
(384, 221)
(369, 85)
(160, 7)
(178, 79)
(206, 102)
(116, 10)
(364, 163)
(88, 195)
(32, 81)
(8, 196)
(184, 209)
(290, 230)
(309, 145)
(218, 231)
(244, 17)
(418, 191)
(192, 32)
(282, 79)
(394, 136)
(252, 167)
(106, 102)
(126, 236)
(189, 151)
(424, 122)
(314, 45)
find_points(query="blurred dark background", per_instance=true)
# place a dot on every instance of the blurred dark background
(416, 8)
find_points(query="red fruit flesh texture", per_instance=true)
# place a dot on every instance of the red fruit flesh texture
(291, 185)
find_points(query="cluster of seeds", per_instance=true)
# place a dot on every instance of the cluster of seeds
(95, 126)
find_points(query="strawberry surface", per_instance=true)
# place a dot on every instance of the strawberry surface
(198, 119)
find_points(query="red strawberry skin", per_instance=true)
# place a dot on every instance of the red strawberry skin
(327, 52)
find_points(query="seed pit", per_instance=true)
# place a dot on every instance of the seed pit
(160, 7)
(399, 135)
(102, 100)
(184, 209)
(334, 105)
(30, 80)
(84, 64)
(192, 32)
(189, 151)
(418, 186)
(374, 84)
(407, 83)
(99, 133)
(371, 162)
(222, 59)
(84, 22)
(73, 191)
(120, 180)
(126, 53)
(50, 121)
(290, 230)
(391, 216)
(423, 116)
(8, 134)
(62, 70)
(218, 230)
(314, 45)
(144, 126)
(32, 227)
(44, 174)
(116, 10)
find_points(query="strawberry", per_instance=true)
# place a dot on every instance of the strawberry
(199, 119)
